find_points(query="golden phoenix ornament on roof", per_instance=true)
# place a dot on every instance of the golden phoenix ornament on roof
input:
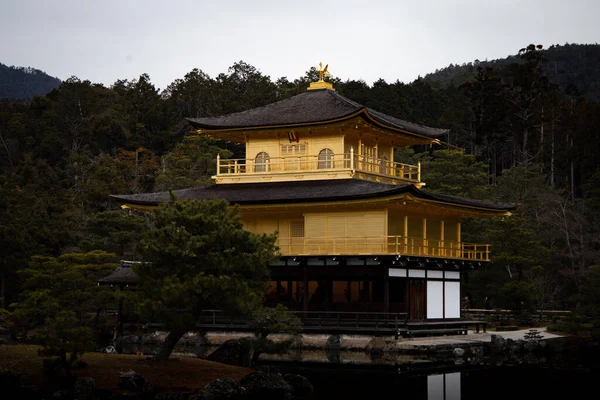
(323, 71)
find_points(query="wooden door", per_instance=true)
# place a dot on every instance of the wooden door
(416, 299)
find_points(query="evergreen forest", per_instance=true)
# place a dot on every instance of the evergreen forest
(519, 133)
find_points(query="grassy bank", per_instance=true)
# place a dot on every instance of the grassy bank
(176, 375)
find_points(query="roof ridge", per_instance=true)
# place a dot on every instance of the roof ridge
(347, 100)
(270, 105)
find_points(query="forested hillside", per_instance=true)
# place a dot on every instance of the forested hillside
(526, 141)
(24, 83)
(575, 68)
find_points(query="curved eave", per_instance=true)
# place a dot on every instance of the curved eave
(364, 113)
(394, 194)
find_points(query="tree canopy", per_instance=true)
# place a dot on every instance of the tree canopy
(197, 256)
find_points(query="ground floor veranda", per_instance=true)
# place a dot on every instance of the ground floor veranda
(420, 288)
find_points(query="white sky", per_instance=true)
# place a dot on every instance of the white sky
(106, 40)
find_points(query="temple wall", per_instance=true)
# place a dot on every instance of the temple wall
(347, 224)
(314, 144)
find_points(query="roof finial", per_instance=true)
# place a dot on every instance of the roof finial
(321, 84)
(323, 71)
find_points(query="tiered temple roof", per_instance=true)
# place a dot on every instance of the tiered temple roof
(311, 108)
(304, 192)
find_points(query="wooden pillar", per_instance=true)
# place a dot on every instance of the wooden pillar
(458, 239)
(442, 247)
(359, 152)
(219, 164)
(405, 234)
(425, 247)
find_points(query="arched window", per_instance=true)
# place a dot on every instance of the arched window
(261, 163)
(325, 159)
(383, 165)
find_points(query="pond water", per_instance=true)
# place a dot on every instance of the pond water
(571, 373)
(502, 383)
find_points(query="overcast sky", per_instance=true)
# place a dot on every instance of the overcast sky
(106, 40)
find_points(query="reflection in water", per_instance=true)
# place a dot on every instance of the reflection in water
(444, 387)
(344, 375)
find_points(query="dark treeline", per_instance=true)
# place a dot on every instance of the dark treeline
(527, 141)
(572, 67)
(24, 83)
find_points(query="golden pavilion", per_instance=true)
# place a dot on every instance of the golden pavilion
(356, 230)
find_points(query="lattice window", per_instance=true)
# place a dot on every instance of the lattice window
(288, 150)
(297, 228)
(325, 159)
(262, 162)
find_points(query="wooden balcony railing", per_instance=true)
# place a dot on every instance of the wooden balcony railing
(345, 161)
(384, 245)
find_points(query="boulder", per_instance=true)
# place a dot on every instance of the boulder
(85, 389)
(302, 386)
(220, 389)
(265, 386)
(497, 342)
(334, 342)
(376, 344)
(130, 339)
(154, 337)
(458, 352)
(476, 351)
(193, 339)
(134, 382)
(234, 352)
(109, 350)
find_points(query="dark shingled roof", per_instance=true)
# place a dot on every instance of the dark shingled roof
(301, 191)
(123, 275)
(310, 107)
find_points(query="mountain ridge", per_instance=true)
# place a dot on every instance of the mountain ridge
(20, 83)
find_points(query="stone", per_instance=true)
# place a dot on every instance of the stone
(476, 351)
(85, 389)
(130, 339)
(234, 352)
(497, 342)
(220, 389)
(458, 352)
(154, 337)
(134, 382)
(262, 385)
(192, 339)
(531, 345)
(302, 386)
(109, 350)
(334, 342)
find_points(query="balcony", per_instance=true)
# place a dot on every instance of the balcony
(329, 166)
(386, 245)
